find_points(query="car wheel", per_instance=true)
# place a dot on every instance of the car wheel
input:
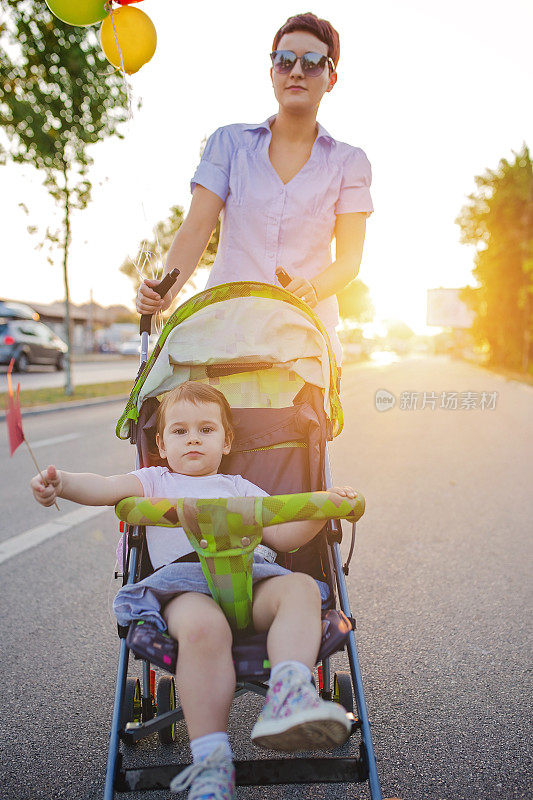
(22, 363)
(60, 362)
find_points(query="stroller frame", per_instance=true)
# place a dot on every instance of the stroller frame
(250, 772)
(253, 772)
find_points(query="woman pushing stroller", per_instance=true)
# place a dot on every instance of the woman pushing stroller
(284, 188)
(194, 431)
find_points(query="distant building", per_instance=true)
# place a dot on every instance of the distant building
(446, 310)
(87, 321)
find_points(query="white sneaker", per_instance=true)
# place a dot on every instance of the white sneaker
(213, 778)
(295, 718)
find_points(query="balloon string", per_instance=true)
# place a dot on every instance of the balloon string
(149, 263)
(157, 272)
(128, 88)
(145, 257)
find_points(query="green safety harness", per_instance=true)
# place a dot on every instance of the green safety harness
(225, 531)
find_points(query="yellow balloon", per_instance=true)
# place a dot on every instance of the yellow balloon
(136, 36)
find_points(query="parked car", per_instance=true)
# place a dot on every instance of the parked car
(29, 342)
(130, 348)
(18, 310)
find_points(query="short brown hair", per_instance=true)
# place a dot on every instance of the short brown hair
(193, 392)
(320, 28)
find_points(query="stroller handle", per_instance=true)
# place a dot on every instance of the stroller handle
(145, 324)
(237, 512)
(224, 532)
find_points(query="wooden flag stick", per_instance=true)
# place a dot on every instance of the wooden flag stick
(38, 467)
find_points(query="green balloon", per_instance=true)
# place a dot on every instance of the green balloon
(79, 12)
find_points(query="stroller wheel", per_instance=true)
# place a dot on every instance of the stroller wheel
(131, 706)
(166, 701)
(342, 690)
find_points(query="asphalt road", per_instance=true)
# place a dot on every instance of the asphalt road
(440, 587)
(83, 372)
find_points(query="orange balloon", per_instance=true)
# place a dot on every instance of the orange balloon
(136, 35)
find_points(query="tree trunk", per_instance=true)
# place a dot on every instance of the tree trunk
(526, 343)
(69, 389)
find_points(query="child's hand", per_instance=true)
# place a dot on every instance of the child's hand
(46, 492)
(345, 491)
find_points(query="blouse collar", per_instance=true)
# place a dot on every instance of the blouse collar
(322, 132)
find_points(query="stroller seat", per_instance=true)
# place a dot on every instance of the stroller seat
(249, 650)
(224, 534)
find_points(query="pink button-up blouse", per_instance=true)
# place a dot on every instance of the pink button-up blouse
(266, 223)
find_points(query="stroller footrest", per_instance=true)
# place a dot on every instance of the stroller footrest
(260, 772)
(265, 772)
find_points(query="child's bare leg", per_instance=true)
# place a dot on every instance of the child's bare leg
(205, 674)
(288, 606)
(294, 717)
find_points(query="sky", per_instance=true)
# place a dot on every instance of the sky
(434, 93)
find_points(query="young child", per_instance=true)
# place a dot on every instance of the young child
(194, 431)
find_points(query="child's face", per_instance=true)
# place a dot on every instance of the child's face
(193, 440)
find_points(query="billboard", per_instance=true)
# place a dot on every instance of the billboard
(445, 309)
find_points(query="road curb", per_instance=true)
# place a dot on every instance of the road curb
(93, 401)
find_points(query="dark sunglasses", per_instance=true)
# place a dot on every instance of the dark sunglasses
(312, 64)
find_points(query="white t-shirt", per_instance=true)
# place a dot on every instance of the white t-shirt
(167, 544)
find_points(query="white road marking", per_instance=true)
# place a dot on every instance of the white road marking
(34, 536)
(67, 437)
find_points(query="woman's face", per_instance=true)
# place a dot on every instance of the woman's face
(295, 91)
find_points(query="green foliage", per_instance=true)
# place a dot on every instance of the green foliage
(354, 302)
(57, 92)
(58, 96)
(151, 254)
(396, 329)
(498, 221)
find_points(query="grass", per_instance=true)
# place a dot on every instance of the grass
(56, 394)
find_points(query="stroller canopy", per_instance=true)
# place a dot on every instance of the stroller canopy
(244, 327)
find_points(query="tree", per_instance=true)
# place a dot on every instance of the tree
(58, 96)
(354, 302)
(498, 221)
(396, 329)
(151, 254)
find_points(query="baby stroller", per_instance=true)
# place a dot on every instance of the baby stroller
(270, 356)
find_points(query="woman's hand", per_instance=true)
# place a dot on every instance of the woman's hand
(345, 491)
(304, 289)
(148, 301)
(45, 490)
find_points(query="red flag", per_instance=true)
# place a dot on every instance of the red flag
(13, 415)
